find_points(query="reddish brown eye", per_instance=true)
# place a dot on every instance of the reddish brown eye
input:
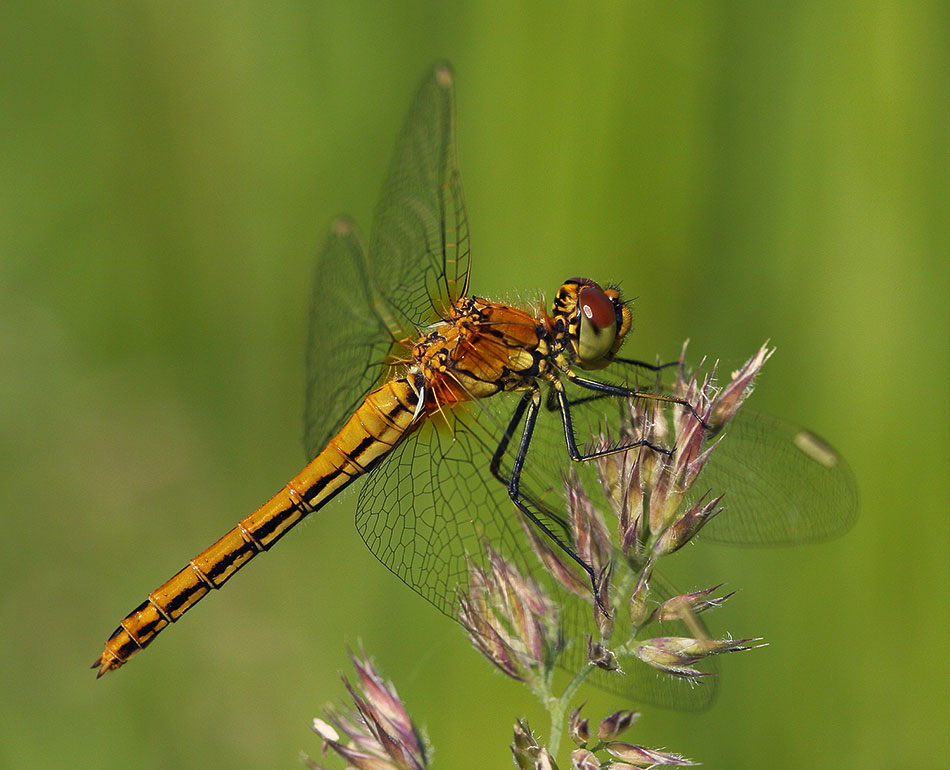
(596, 307)
(598, 326)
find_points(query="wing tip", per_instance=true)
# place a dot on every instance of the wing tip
(444, 77)
(816, 448)
(342, 227)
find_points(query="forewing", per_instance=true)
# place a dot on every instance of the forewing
(366, 311)
(420, 246)
(782, 485)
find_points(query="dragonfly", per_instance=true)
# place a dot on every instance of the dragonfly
(432, 398)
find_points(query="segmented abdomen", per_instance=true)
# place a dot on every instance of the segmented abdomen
(384, 418)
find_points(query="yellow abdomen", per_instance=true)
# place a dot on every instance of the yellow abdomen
(386, 416)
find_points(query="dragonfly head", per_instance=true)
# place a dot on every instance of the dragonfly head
(595, 321)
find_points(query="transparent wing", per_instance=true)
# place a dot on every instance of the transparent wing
(364, 309)
(544, 479)
(783, 485)
(420, 246)
(348, 342)
(433, 505)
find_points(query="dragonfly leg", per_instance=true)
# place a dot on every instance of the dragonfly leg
(551, 404)
(644, 364)
(565, 406)
(617, 390)
(506, 439)
(531, 403)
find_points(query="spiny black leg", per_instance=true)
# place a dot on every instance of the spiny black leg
(571, 441)
(617, 390)
(551, 403)
(644, 364)
(506, 439)
(532, 402)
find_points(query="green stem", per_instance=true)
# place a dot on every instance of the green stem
(557, 707)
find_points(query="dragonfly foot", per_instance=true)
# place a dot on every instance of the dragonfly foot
(597, 589)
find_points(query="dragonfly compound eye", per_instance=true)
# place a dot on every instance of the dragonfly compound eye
(598, 325)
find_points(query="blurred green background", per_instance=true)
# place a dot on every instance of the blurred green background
(167, 172)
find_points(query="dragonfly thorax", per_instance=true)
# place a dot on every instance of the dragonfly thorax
(480, 349)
